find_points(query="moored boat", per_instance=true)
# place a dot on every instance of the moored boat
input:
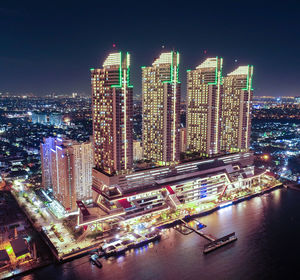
(95, 260)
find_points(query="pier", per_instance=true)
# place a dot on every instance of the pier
(214, 243)
(219, 242)
(206, 236)
(292, 187)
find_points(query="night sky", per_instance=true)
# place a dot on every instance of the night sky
(47, 46)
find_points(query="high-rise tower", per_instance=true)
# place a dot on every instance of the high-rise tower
(112, 114)
(204, 88)
(161, 109)
(67, 170)
(236, 110)
(45, 149)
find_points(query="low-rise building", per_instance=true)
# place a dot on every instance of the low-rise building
(159, 189)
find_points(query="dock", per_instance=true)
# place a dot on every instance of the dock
(219, 242)
(214, 243)
(209, 237)
(292, 187)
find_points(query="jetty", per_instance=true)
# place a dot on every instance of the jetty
(214, 243)
(204, 235)
(292, 186)
(219, 242)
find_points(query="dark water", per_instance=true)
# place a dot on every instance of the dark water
(268, 247)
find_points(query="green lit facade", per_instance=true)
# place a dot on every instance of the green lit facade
(161, 109)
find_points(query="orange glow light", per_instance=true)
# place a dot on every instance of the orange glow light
(266, 157)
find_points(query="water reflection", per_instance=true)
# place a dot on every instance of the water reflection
(262, 250)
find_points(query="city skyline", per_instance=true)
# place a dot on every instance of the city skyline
(130, 208)
(119, 187)
(64, 53)
(132, 145)
(218, 111)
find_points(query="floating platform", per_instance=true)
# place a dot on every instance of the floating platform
(219, 242)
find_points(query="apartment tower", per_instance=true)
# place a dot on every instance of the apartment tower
(68, 166)
(161, 109)
(204, 89)
(45, 149)
(112, 115)
(236, 110)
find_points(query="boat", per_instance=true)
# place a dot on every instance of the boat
(200, 226)
(152, 236)
(110, 242)
(128, 243)
(225, 204)
(120, 247)
(116, 246)
(110, 250)
(138, 239)
(95, 260)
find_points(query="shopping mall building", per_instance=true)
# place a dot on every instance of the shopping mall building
(158, 189)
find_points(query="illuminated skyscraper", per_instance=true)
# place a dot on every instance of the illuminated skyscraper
(161, 109)
(236, 110)
(45, 148)
(112, 114)
(67, 166)
(204, 88)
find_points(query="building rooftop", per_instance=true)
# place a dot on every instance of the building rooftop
(149, 177)
(241, 70)
(113, 59)
(208, 63)
(19, 246)
(150, 180)
(3, 256)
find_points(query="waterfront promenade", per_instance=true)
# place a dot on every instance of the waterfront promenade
(71, 248)
(178, 256)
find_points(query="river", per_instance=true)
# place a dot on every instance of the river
(268, 247)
